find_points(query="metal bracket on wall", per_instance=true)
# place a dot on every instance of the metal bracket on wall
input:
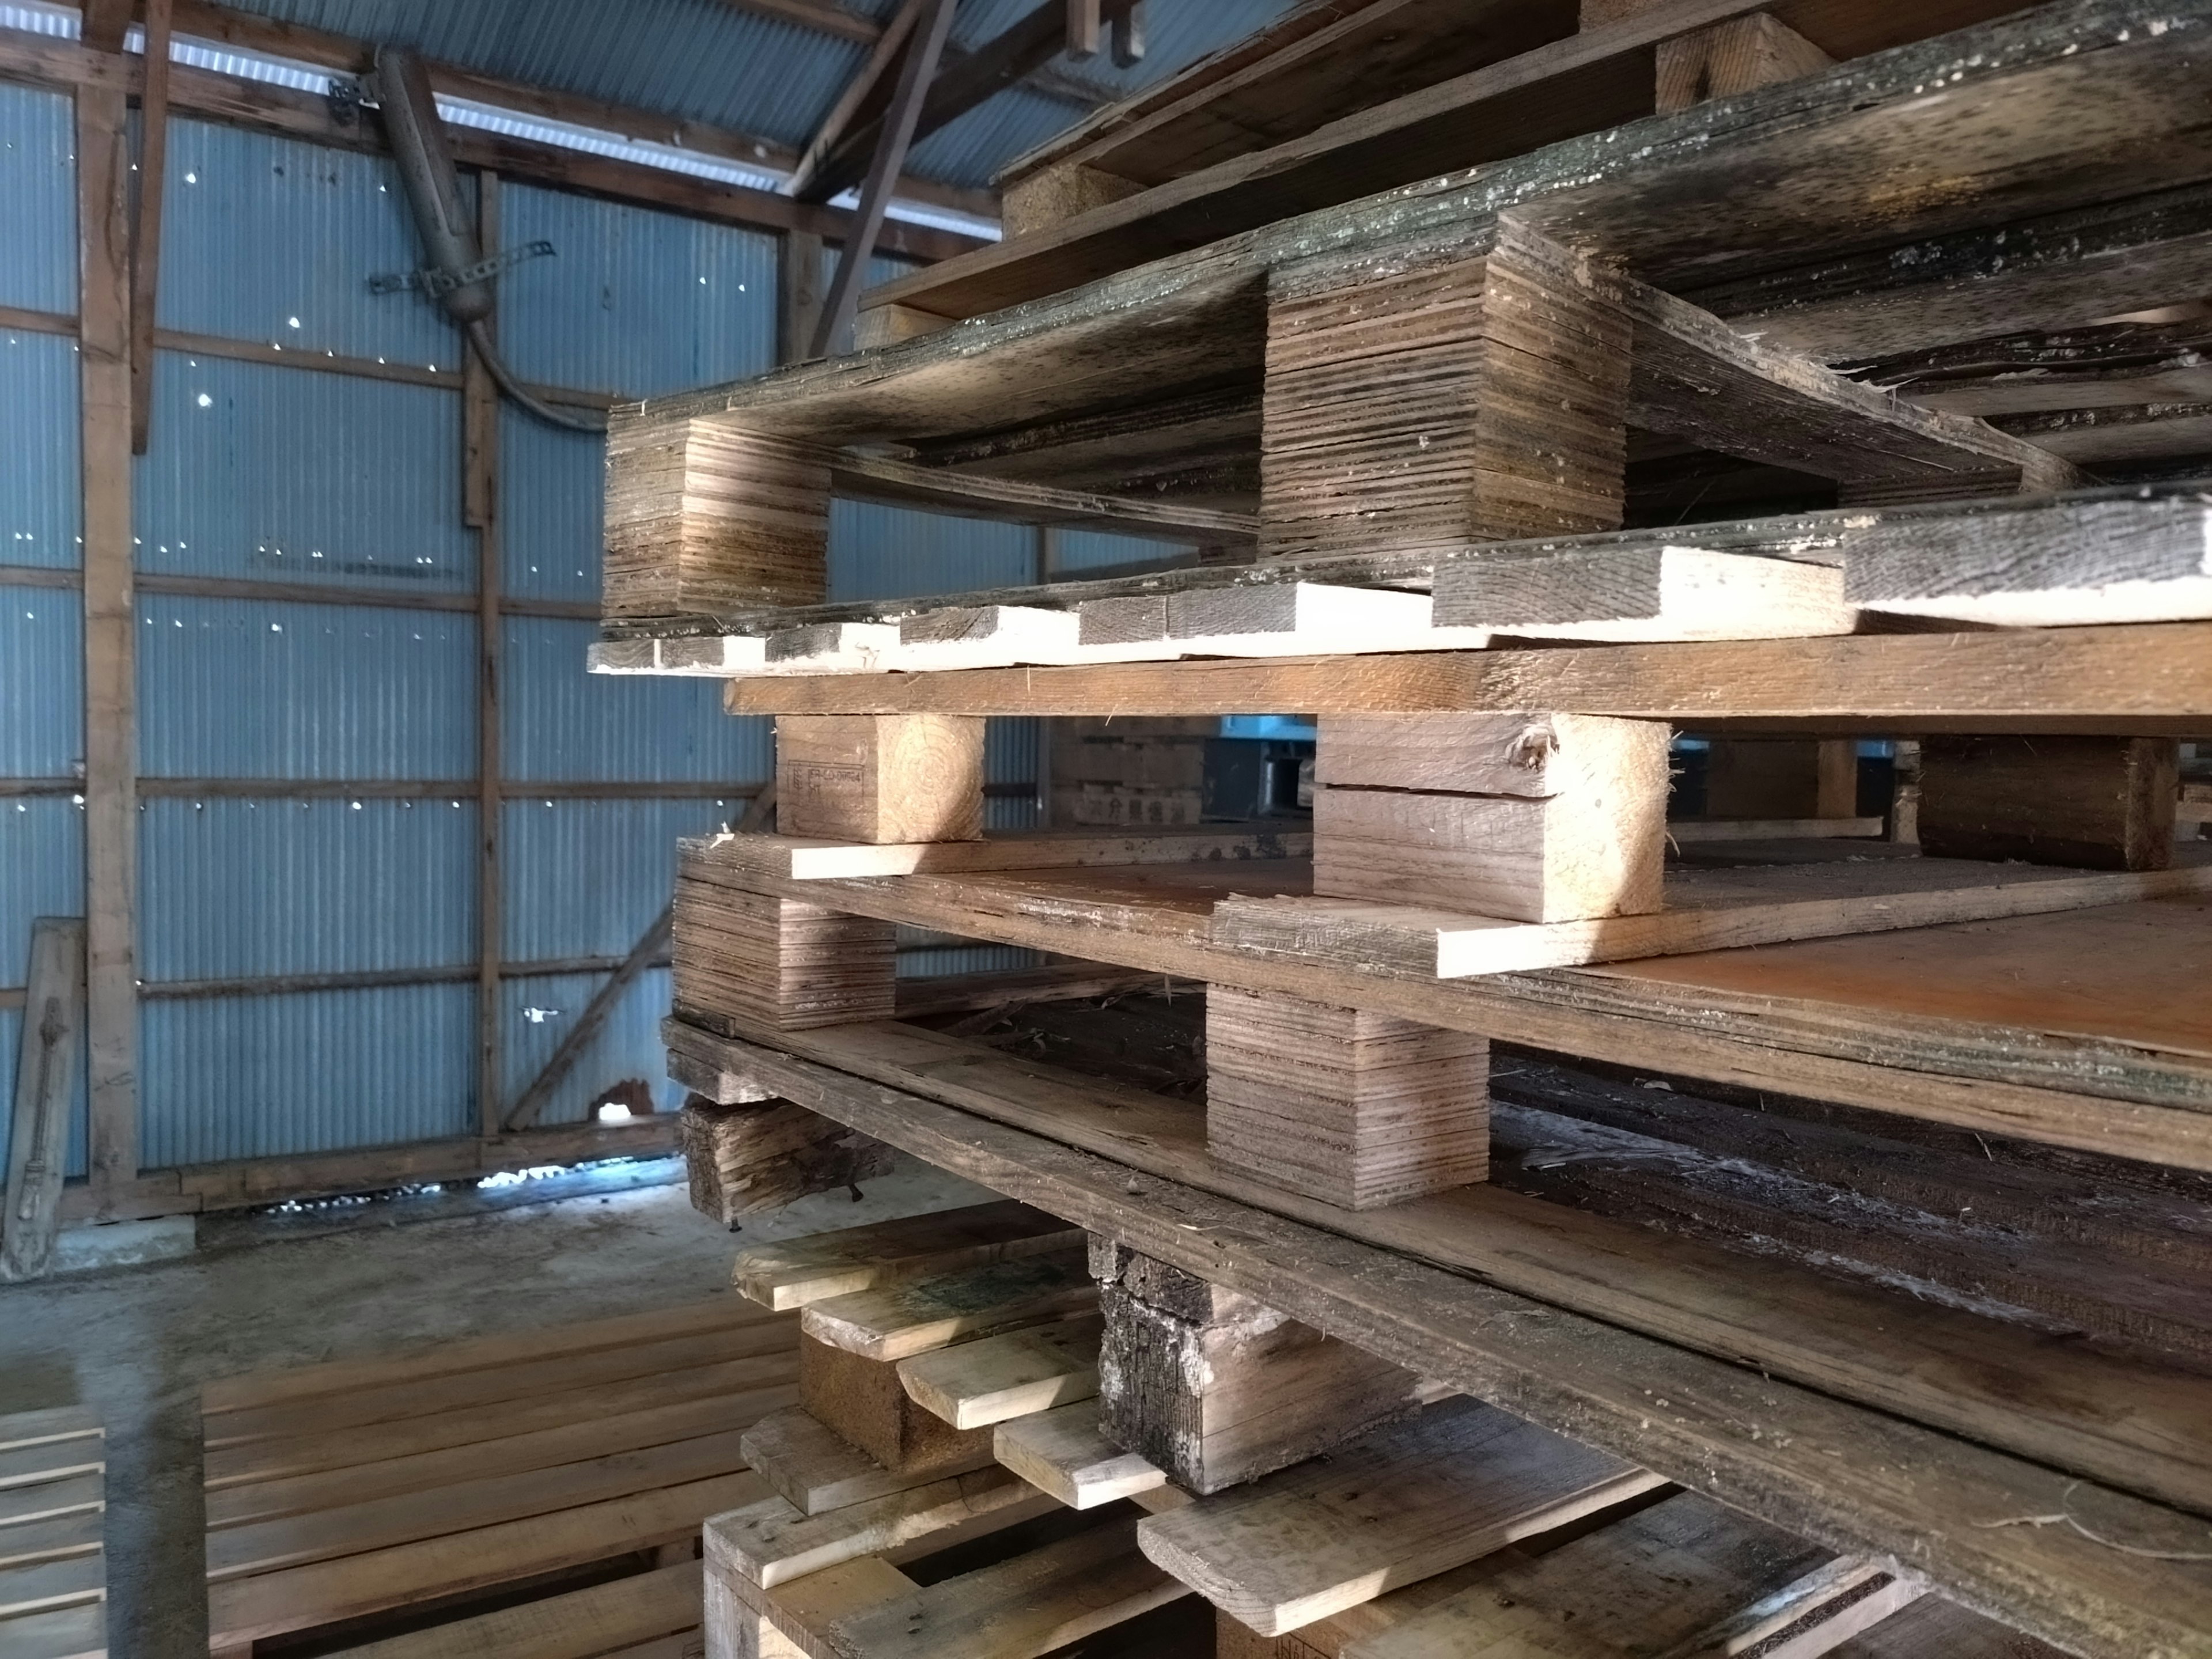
(437, 283)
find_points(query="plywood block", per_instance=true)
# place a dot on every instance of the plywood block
(1727, 58)
(744, 1159)
(1782, 778)
(898, 1321)
(1215, 1404)
(1594, 846)
(1456, 1482)
(862, 1400)
(1355, 1107)
(783, 963)
(817, 1470)
(2099, 803)
(1063, 1452)
(880, 778)
(793, 1272)
(973, 1385)
(703, 518)
(1476, 400)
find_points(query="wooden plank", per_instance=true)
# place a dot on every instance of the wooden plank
(49, 1586)
(1457, 1482)
(325, 1414)
(973, 1385)
(1062, 1453)
(51, 1460)
(1732, 57)
(322, 1592)
(903, 483)
(2126, 681)
(280, 1385)
(1629, 593)
(880, 781)
(1932, 1625)
(801, 858)
(2103, 803)
(788, 1273)
(581, 1625)
(79, 1532)
(862, 1400)
(1707, 911)
(25, 1510)
(771, 1542)
(46, 1064)
(816, 1469)
(912, 1316)
(2042, 1398)
(790, 1618)
(611, 1428)
(78, 1633)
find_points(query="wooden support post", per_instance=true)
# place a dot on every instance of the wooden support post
(1476, 401)
(706, 519)
(146, 239)
(746, 960)
(863, 1399)
(1782, 778)
(1354, 1108)
(480, 510)
(2101, 803)
(46, 1064)
(797, 294)
(885, 779)
(1531, 818)
(110, 740)
(1215, 1389)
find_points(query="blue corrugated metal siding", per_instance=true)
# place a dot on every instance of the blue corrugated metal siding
(933, 960)
(41, 684)
(267, 1076)
(37, 182)
(558, 722)
(635, 303)
(40, 511)
(540, 1011)
(233, 888)
(552, 503)
(1098, 550)
(282, 475)
(42, 851)
(585, 878)
(275, 239)
(891, 552)
(250, 689)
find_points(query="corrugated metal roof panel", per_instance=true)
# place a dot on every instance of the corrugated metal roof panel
(41, 683)
(552, 509)
(585, 878)
(319, 1071)
(37, 182)
(634, 303)
(628, 1047)
(237, 888)
(40, 512)
(285, 475)
(275, 239)
(42, 850)
(248, 688)
(891, 552)
(559, 722)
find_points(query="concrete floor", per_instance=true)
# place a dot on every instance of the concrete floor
(136, 1342)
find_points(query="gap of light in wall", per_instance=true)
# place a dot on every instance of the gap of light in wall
(41, 17)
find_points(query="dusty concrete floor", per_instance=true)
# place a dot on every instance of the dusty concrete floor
(136, 1342)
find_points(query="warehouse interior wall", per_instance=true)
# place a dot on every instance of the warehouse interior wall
(309, 655)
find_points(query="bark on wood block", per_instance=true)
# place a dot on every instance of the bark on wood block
(1727, 58)
(1354, 1108)
(747, 1158)
(1782, 778)
(1565, 834)
(758, 960)
(1219, 1402)
(1169, 1288)
(2101, 803)
(702, 517)
(1474, 401)
(888, 778)
(863, 1399)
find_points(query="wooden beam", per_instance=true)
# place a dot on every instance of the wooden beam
(110, 806)
(866, 90)
(891, 142)
(821, 15)
(104, 24)
(480, 450)
(146, 232)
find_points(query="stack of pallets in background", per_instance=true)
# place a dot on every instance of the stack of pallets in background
(1846, 1168)
(53, 1503)
(533, 1494)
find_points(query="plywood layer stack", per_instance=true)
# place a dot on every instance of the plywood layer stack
(1910, 304)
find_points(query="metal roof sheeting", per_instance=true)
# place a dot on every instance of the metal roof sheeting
(284, 475)
(41, 684)
(42, 851)
(37, 182)
(551, 511)
(315, 1072)
(40, 514)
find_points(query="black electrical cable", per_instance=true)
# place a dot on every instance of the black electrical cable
(480, 337)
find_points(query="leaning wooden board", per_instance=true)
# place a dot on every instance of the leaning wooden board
(53, 1569)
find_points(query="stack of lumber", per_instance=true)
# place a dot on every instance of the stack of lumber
(578, 1461)
(53, 1572)
(1140, 773)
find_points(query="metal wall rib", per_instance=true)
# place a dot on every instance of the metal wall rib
(37, 182)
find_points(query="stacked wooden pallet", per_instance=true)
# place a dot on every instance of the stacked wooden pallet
(53, 1571)
(577, 1461)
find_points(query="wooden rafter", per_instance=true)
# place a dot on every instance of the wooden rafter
(867, 93)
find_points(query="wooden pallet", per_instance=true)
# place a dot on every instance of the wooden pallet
(53, 1571)
(557, 1456)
